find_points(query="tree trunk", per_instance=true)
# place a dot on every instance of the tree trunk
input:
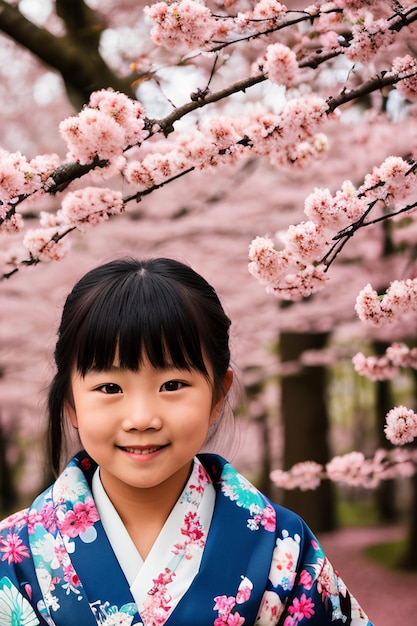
(8, 495)
(409, 560)
(385, 494)
(306, 424)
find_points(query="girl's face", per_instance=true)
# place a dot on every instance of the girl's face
(143, 427)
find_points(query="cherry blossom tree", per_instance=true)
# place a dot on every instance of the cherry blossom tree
(264, 80)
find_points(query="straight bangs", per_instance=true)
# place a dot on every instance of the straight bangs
(136, 320)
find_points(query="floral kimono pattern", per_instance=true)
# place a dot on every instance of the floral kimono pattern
(260, 563)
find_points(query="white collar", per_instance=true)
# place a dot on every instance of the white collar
(196, 503)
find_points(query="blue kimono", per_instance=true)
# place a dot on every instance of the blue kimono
(258, 563)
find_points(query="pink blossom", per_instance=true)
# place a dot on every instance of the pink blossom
(351, 469)
(401, 425)
(400, 298)
(369, 35)
(184, 25)
(92, 134)
(13, 548)
(268, 9)
(43, 245)
(90, 206)
(12, 224)
(386, 366)
(374, 368)
(305, 475)
(301, 283)
(305, 241)
(368, 306)
(281, 64)
(389, 180)
(406, 68)
(129, 114)
(265, 262)
(18, 177)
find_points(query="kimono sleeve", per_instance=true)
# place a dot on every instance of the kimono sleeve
(15, 584)
(303, 587)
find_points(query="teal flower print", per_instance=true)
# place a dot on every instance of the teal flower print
(238, 488)
(15, 610)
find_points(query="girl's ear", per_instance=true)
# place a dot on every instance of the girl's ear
(227, 383)
(70, 412)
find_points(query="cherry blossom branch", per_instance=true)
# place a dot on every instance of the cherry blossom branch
(101, 136)
(352, 469)
(387, 366)
(304, 17)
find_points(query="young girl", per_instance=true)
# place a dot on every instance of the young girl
(139, 528)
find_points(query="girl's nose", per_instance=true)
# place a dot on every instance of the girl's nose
(141, 414)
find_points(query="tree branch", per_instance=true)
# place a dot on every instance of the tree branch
(82, 73)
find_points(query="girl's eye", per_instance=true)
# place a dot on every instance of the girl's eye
(172, 385)
(110, 388)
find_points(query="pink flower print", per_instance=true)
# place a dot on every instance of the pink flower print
(202, 480)
(243, 595)
(224, 605)
(14, 549)
(306, 580)
(159, 603)
(192, 527)
(235, 619)
(326, 584)
(34, 517)
(302, 608)
(269, 521)
(81, 517)
(48, 517)
(71, 576)
(16, 520)
(244, 591)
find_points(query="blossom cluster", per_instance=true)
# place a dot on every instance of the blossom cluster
(110, 123)
(190, 25)
(298, 267)
(387, 366)
(401, 425)
(289, 137)
(80, 209)
(352, 469)
(398, 300)
(19, 178)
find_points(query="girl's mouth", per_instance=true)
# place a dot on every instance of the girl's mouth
(142, 451)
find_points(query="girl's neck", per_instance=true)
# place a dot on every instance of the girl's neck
(145, 511)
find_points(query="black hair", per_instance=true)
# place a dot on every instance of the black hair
(157, 309)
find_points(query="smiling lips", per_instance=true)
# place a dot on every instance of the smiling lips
(142, 451)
